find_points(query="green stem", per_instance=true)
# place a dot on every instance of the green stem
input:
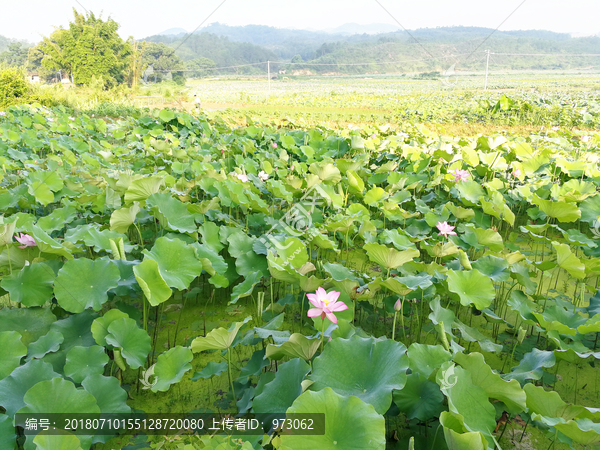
(394, 326)
(229, 372)
(322, 333)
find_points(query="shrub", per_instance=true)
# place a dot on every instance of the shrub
(13, 87)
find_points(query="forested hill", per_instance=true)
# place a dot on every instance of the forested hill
(219, 49)
(384, 52)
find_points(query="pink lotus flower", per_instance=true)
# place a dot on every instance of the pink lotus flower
(26, 240)
(240, 176)
(445, 229)
(263, 175)
(516, 172)
(397, 305)
(325, 304)
(460, 175)
(274, 145)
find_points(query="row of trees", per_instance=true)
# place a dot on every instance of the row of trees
(91, 49)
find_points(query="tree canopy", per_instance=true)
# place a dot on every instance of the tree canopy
(89, 48)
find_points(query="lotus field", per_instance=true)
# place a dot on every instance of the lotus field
(421, 291)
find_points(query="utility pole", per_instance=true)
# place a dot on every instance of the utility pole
(269, 76)
(487, 66)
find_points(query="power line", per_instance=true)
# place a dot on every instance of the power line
(77, 1)
(409, 33)
(314, 64)
(497, 28)
(202, 23)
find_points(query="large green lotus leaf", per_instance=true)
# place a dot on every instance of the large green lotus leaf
(472, 334)
(326, 172)
(7, 433)
(414, 282)
(297, 346)
(47, 244)
(14, 387)
(590, 209)
(176, 260)
(50, 178)
(11, 352)
(211, 369)
(41, 192)
(172, 213)
(92, 236)
(456, 435)
(440, 314)
(568, 261)
(389, 258)
(210, 236)
(557, 318)
(143, 188)
(58, 396)
(218, 339)
(549, 404)
(57, 219)
(31, 323)
(424, 359)
(469, 192)
(562, 211)
(350, 423)
(171, 366)
(355, 182)
(100, 325)
(278, 395)
(212, 262)
(374, 195)
(31, 286)
(400, 241)
(245, 288)
(110, 396)
(531, 366)
(76, 331)
(85, 361)
(247, 261)
(420, 398)
(509, 392)
(121, 219)
(459, 212)
(61, 441)
(134, 342)
(48, 343)
(493, 267)
(346, 366)
(489, 238)
(472, 287)
(582, 431)
(271, 330)
(83, 283)
(468, 400)
(293, 252)
(148, 276)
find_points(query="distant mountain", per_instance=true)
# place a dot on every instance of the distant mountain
(354, 48)
(355, 28)
(172, 32)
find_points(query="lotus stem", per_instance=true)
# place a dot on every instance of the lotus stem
(229, 373)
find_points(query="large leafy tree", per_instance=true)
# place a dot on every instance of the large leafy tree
(15, 55)
(163, 58)
(89, 48)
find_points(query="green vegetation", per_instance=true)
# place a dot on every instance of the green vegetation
(162, 239)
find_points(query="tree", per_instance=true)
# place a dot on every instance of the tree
(15, 55)
(200, 66)
(89, 48)
(163, 60)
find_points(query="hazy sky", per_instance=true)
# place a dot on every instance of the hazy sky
(31, 19)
